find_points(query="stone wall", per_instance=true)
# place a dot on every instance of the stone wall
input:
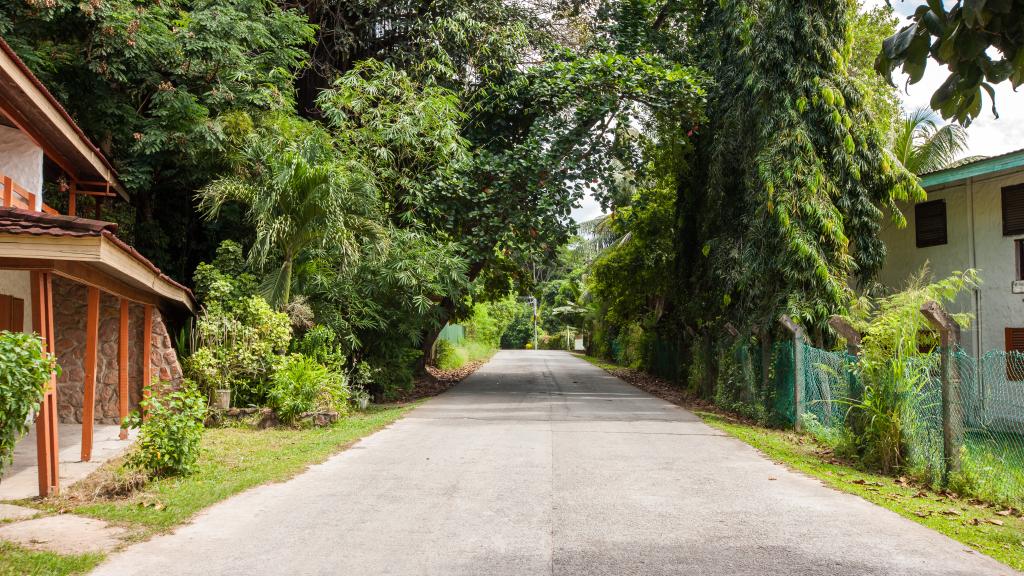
(69, 307)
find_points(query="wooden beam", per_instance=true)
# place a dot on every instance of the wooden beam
(147, 350)
(83, 274)
(846, 330)
(8, 192)
(122, 368)
(47, 455)
(92, 329)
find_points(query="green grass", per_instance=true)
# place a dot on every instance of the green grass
(233, 460)
(16, 561)
(971, 523)
(456, 357)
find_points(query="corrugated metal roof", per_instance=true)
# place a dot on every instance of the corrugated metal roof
(981, 167)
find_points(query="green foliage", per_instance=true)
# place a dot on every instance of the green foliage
(885, 422)
(170, 432)
(238, 337)
(783, 215)
(303, 385)
(155, 85)
(449, 356)
(980, 43)
(922, 146)
(489, 321)
(24, 376)
(320, 344)
(301, 195)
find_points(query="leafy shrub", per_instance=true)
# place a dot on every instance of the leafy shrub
(321, 344)
(24, 374)
(886, 423)
(170, 434)
(449, 356)
(240, 346)
(303, 385)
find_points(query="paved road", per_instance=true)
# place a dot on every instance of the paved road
(542, 464)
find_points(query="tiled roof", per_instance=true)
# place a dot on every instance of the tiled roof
(6, 48)
(19, 221)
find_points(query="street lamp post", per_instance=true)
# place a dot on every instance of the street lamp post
(533, 301)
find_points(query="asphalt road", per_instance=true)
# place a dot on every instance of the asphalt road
(543, 464)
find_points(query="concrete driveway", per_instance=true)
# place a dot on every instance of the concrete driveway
(543, 464)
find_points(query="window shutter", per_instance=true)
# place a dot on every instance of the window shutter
(1013, 210)
(930, 223)
(1015, 354)
(12, 313)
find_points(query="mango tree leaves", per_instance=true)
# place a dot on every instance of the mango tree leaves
(981, 42)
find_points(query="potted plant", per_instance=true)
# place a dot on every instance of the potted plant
(360, 397)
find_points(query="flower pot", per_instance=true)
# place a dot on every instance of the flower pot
(363, 402)
(222, 398)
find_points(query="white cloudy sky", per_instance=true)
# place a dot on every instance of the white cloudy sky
(988, 136)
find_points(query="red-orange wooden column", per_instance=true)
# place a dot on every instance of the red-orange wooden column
(122, 368)
(147, 349)
(92, 333)
(48, 457)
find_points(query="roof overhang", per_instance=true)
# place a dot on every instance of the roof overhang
(985, 168)
(33, 109)
(101, 261)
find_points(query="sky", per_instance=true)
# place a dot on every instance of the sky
(987, 135)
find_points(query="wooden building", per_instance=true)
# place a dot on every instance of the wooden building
(97, 303)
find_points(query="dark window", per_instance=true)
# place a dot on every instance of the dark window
(1015, 354)
(1013, 210)
(930, 221)
(1018, 250)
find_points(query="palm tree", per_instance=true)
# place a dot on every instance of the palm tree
(301, 194)
(923, 146)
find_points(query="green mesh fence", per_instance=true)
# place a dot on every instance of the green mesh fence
(454, 333)
(987, 413)
(991, 422)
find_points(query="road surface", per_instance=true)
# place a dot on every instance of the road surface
(543, 464)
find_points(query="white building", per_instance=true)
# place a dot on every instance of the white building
(973, 218)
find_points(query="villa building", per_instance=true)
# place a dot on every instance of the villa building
(98, 304)
(973, 218)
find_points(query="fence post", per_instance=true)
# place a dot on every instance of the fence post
(799, 337)
(949, 331)
(853, 338)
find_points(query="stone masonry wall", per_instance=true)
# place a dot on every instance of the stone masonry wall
(69, 306)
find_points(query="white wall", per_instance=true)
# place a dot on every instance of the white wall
(17, 283)
(974, 224)
(22, 160)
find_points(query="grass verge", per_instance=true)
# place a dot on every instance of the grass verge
(995, 531)
(233, 460)
(16, 561)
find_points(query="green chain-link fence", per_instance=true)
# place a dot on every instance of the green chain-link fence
(987, 415)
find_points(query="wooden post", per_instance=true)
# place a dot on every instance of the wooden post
(73, 200)
(92, 330)
(799, 337)
(8, 192)
(853, 348)
(147, 349)
(949, 331)
(122, 368)
(47, 454)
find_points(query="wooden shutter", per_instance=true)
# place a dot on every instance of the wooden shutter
(12, 313)
(930, 223)
(1013, 210)
(1015, 354)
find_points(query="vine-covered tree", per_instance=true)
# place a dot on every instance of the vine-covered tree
(784, 212)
